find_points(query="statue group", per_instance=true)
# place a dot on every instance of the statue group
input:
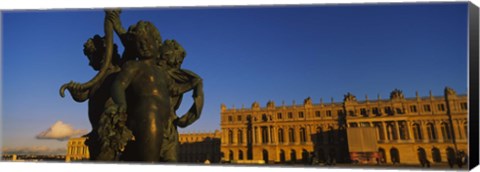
(133, 99)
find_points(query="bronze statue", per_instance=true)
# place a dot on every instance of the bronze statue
(133, 117)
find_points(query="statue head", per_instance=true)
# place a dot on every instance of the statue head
(145, 40)
(172, 53)
(94, 49)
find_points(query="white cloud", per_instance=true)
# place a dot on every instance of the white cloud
(34, 150)
(60, 131)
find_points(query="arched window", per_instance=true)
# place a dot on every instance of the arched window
(230, 155)
(282, 155)
(305, 156)
(431, 132)
(264, 135)
(422, 155)
(319, 135)
(394, 155)
(381, 155)
(330, 135)
(230, 136)
(402, 128)
(379, 131)
(240, 136)
(446, 131)
(436, 155)
(280, 136)
(417, 132)
(303, 135)
(293, 156)
(391, 132)
(291, 135)
(240, 155)
(265, 156)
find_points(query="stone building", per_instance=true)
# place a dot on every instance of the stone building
(434, 127)
(77, 150)
(198, 147)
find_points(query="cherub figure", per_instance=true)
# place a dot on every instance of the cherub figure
(98, 96)
(180, 81)
(141, 91)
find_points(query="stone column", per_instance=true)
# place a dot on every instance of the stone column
(423, 127)
(259, 135)
(269, 135)
(296, 133)
(384, 128)
(397, 129)
(235, 136)
(410, 131)
(438, 129)
(245, 138)
(457, 130)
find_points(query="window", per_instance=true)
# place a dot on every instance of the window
(441, 107)
(339, 112)
(230, 119)
(319, 135)
(329, 113)
(240, 136)
(465, 128)
(303, 135)
(417, 132)
(291, 135)
(317, 113)
(279, 115)
(431, 131)
(388, 110)
(264, 135)
(426, 108)
(363, 111)
(402, 128)
(280, 136)
(380, 131)
(413, 108)
(300, 114)
(239, 118)
(353, 124)
(446, 131)
(230, 136)
(375, 111)
(290, 115)
(463, 106)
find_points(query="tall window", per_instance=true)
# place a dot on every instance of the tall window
(230, 136)
(264, 135)
(417, 132)
(317, 113)
(240, 136)
(279, 115)
(330, 135)
(239, 118)
(319, 135)
(431, 132)
(391, 132)
(280, 136)
(303, 135)
(465, 127)
(403, 130)
(446, 131)
(380, 131)
(413, 108)
(463, 106)
(375, 111)
(290, 115)
(240, 155)
(230, 119)
(291, 135)
(363, 111)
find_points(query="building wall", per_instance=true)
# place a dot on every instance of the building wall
(198, 147)
(320, 128)
(77, 150)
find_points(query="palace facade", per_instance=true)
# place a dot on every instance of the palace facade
(77, 150)
(199, 147)
(434, 127)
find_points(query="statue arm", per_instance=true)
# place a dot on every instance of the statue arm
(185, 80)
(114, 18)
(123, 80)
(80, 96)
(195, 110)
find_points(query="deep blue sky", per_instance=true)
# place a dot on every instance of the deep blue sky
(244, 55)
